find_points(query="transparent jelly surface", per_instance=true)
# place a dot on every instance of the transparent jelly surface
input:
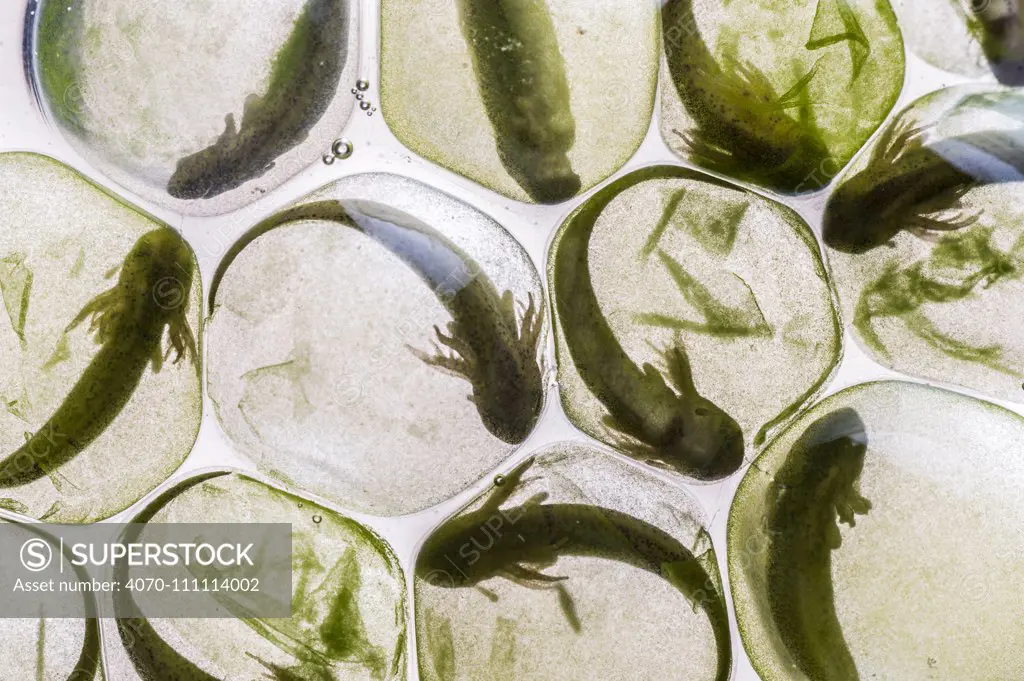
(535, 100)
(255, 101)
(537, 577)
(777, 94)
(382, 347)
(679, 340)
(878, 524)
(348, 599)
(325, 364)
(924, 235)
(939, 33)
(51, 649)
(976, 38)
(99, 375)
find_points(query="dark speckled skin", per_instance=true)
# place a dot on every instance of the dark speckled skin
(545, 531)
(872, 207)
(302, 85)
(741, 125)
(468, 550)
(905, 182)
(815, 488)
(490, 347)
(680, 430)
(151, 295)
(521, 75)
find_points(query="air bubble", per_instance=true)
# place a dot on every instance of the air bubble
(365, 106)
(499, 480)
(328, 159)
(342, 148)
(359, 96)
(317, 519)
(363, 85)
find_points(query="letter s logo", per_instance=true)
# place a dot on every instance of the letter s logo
(36, 555)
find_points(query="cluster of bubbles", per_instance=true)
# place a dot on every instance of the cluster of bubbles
(360, 92)
(342, 148)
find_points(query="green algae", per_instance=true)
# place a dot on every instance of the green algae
(960, 265)
(782, 109)
(16, 290)
(696, 239)
(720, 319)
(836, 22)
(441, 644)
(503, 650)
(327, 638)
(715, 230)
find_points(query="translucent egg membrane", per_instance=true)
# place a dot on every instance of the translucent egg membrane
(329, 363)
(535, 100)
(195, 106)
(348, 600)
(929, 277)
(692, 277)
(99, 368)
(52, 648)
(871, 531)
(497, 599)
